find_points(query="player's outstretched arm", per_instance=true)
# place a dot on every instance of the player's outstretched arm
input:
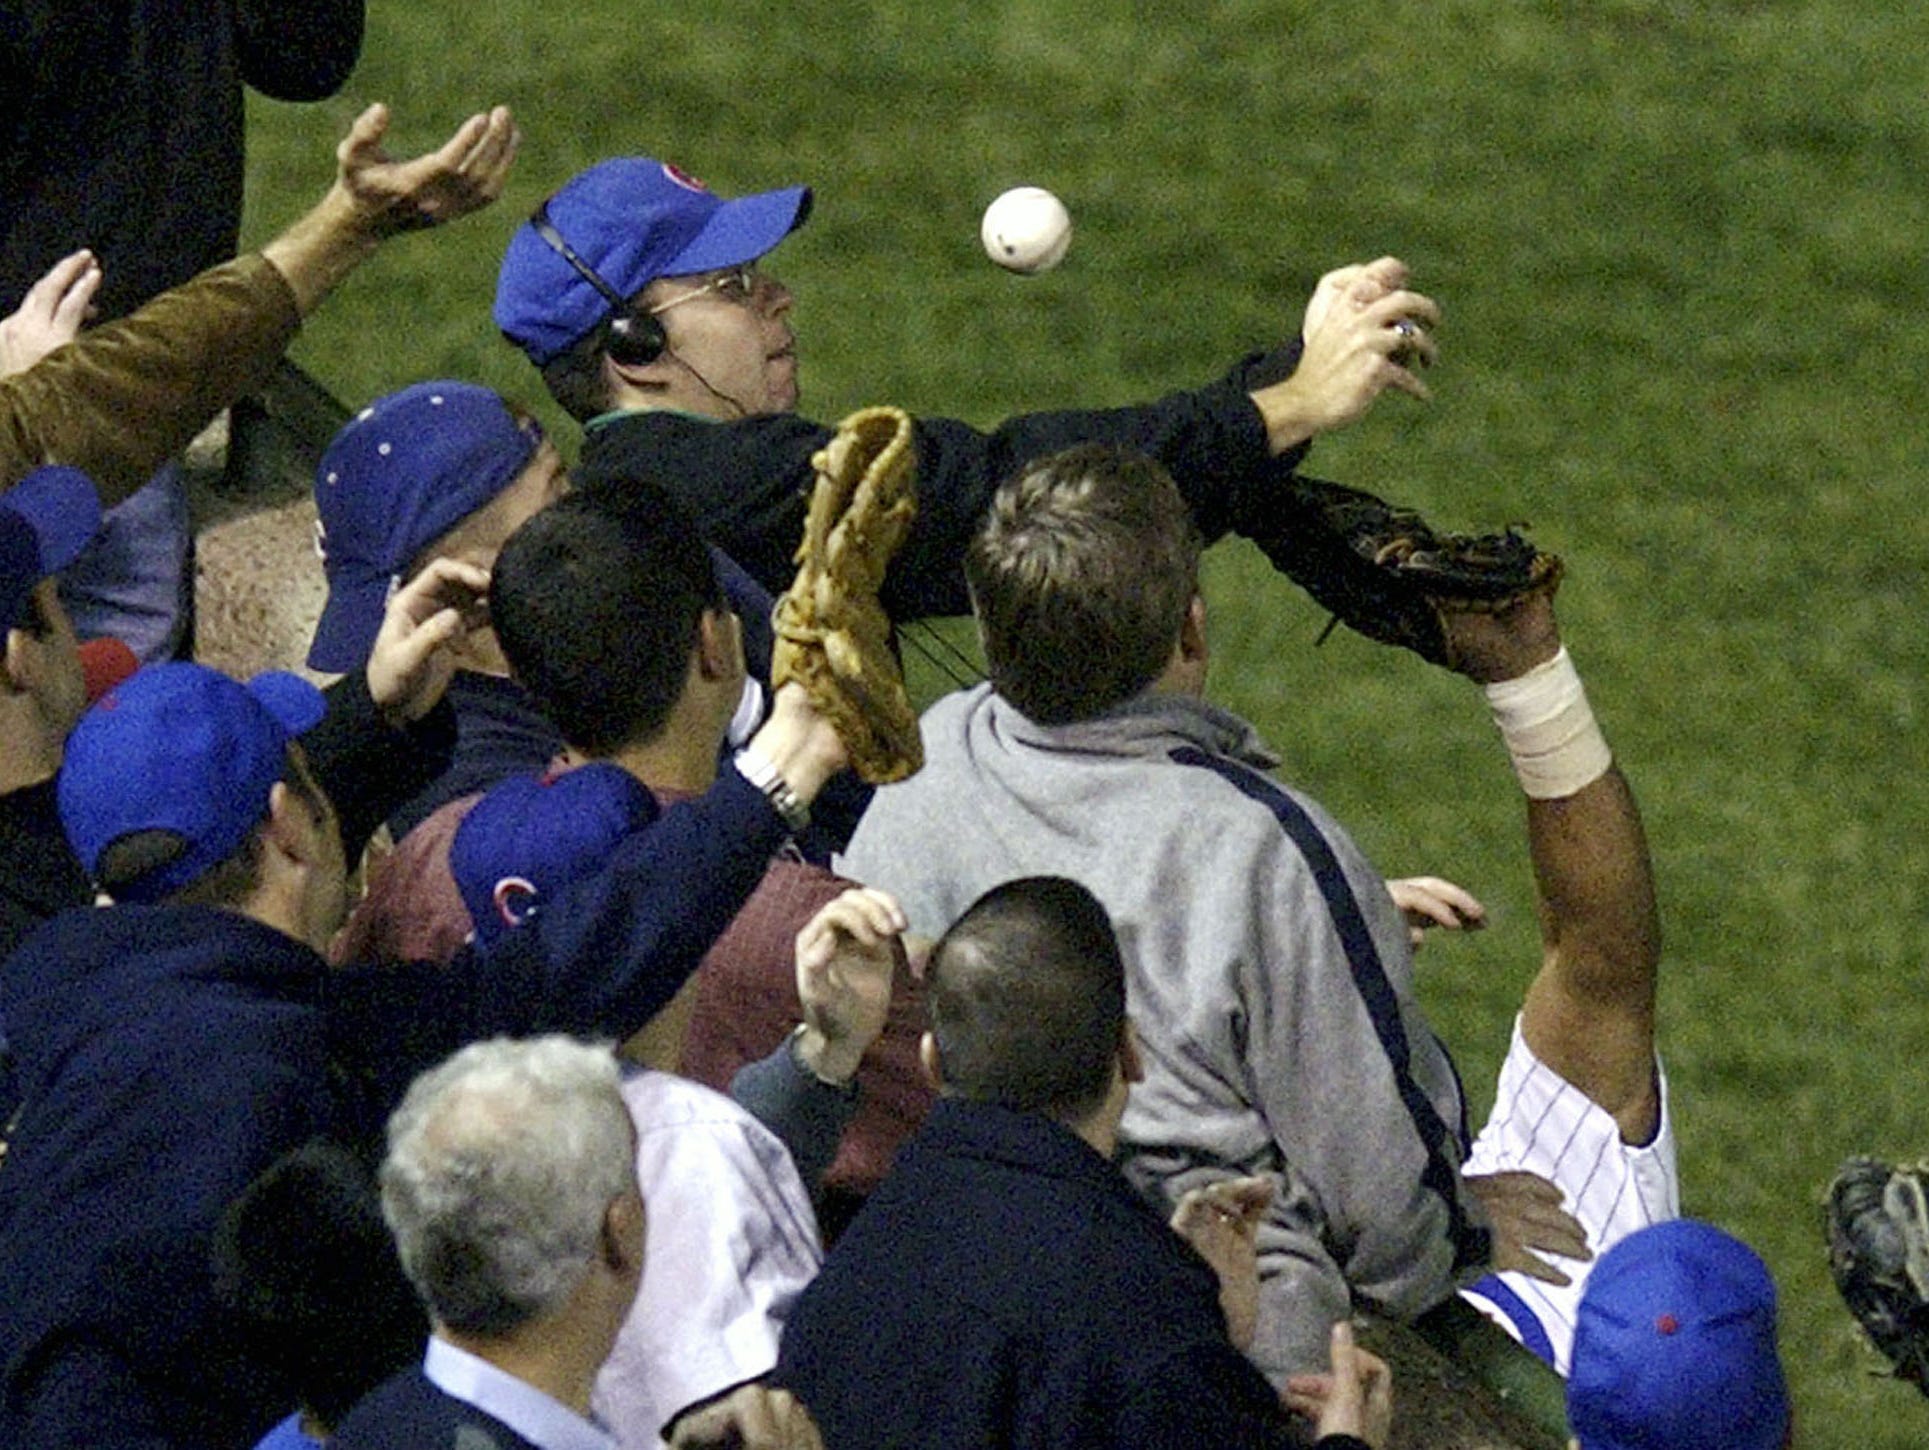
(1589, 1012)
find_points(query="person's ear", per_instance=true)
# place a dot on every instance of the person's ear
(291, 826)
(622, 1238)
(649, 376)
(1131, 1064)
(719, 645)
(16, 667)
(1192, 630)
(928, 1060)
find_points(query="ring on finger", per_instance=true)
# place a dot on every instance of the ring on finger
(1407, 349)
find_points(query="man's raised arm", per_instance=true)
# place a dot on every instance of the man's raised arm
(1589, 1013)
(375, 198)
(120, 399)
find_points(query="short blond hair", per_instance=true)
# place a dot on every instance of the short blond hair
(1080, 576)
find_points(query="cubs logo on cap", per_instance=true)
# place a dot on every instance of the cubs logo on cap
(683, 178)
(515, 898)
(535, 836)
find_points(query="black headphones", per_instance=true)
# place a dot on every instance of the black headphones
(632, 336)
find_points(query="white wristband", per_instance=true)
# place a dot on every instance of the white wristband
(1556, 745)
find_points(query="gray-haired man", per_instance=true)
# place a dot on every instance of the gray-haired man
(510, 1186)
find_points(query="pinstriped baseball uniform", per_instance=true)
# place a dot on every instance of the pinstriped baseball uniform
(1544, 1124)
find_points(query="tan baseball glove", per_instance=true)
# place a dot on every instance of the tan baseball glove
(833, 636)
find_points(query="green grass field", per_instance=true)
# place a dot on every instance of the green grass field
(1679, 248)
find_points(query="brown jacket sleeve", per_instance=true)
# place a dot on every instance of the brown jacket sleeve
(123, 398)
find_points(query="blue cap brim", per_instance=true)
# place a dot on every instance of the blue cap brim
(742, 230)
(46, 520)
(62, 508)
(350, 620)
(294, 702)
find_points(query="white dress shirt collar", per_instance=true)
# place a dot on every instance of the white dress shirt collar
(522, 1407)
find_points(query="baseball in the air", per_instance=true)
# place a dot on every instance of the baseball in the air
(1026, 230)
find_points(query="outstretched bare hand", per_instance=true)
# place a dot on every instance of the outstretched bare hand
(1364, 332)
(1433, 901)
(465, 174)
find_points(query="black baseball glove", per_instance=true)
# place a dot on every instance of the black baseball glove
(1384, 571)
(1877, 1218)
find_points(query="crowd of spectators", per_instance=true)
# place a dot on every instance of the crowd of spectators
(664, 1084)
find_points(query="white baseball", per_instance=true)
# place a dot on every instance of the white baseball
(1026, 230)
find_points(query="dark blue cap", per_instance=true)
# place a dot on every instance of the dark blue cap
(46, 519)
(408, 468)
(535, 835)
(1674, 1346)
(180, 748)
(631, 220)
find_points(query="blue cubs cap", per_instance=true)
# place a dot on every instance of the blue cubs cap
(631, 221)
(180, 748)
(408, 468)
(534, 836)
(46, 519)
(1674, 1346)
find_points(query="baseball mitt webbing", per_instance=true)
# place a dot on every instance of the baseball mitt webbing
(833, 636)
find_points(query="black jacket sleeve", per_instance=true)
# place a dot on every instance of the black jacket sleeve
(369, 768)
(747, 482)
(1209, 1394)
(808, 1116)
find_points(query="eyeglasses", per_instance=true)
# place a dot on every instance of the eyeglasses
(736, 285)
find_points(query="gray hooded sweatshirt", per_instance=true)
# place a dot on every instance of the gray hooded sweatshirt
(1268, 976)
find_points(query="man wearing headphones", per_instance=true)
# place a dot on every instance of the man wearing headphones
(637, 292)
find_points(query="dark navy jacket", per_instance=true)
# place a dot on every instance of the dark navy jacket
(362, 764)
(1006, 1287)
(168, 1054)
(409, 1413)
(499, 732)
